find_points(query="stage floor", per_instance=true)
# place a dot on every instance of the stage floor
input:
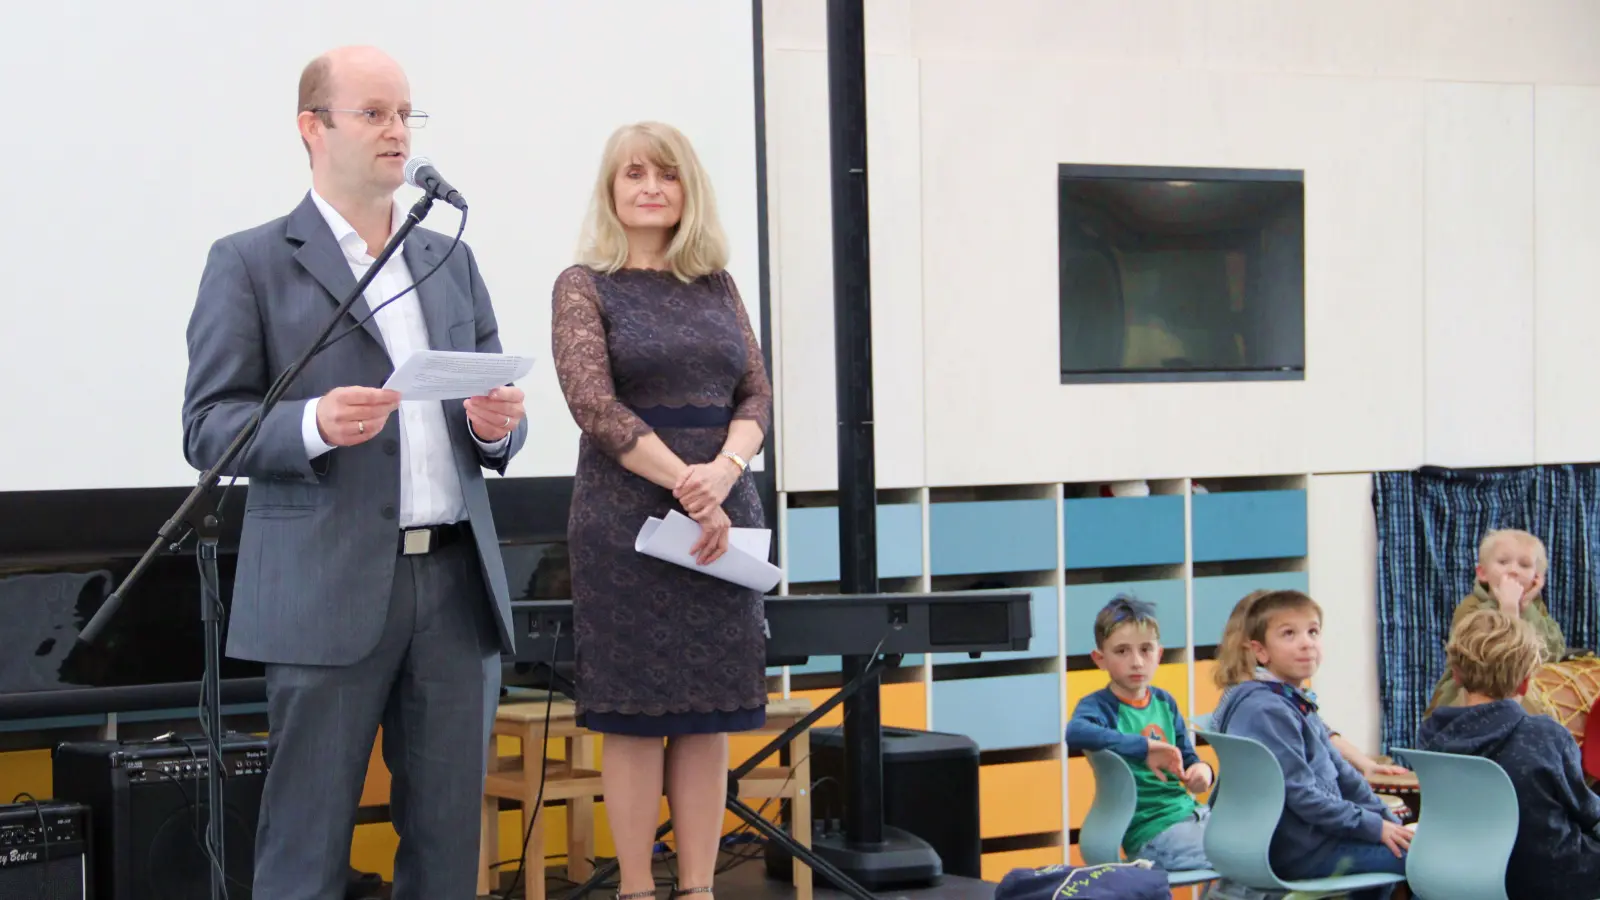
(748, 881)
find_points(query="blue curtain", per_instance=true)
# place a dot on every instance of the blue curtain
(1429, 525)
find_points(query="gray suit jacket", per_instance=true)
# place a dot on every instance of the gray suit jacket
(320, 538)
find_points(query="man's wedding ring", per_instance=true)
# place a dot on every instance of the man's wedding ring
(361, 427)
(507, 423)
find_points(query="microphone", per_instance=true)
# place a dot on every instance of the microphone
(420, 173)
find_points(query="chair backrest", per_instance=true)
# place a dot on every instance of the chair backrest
(1467, 827)
(1115, 796)
(1200, 722)
(1244, 817)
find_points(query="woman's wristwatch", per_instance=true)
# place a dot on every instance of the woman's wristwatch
(737, 459)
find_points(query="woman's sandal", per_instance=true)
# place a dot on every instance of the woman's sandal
(679, 892)
(637, 895)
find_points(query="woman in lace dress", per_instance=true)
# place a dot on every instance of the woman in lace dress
(664, 376)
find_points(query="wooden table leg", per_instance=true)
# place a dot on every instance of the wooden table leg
(489, 827)
(800, 809)
(534, 737)
(580, 813)
(488, 845)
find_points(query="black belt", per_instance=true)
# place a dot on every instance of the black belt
(684, 416)
(431, 538)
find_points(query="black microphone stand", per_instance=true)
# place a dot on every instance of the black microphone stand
(199, 513)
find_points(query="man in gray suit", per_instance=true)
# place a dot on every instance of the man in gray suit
(369, 576)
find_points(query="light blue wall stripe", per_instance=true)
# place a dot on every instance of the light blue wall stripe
(1215, 598)
(1249, 525)
(1084, 602)
(985, 536)
(814, 542)
(1001, 713)
(835, 664)
(1124, 531)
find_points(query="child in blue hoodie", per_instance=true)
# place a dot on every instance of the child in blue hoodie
(1332, 823)
(1491, 654)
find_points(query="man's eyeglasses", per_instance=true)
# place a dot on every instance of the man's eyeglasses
(382, 117)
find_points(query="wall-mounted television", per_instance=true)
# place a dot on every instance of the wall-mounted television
(1181, 274)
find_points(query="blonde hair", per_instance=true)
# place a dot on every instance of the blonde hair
(1491, 653)
(698, 247)
(1233, 641)
(1541, 561)
(1236, 662)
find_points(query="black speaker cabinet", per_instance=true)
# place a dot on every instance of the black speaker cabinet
(148, 806)
(44, 851)
(930, 788)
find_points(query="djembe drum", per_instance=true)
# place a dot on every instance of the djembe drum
(1565, 691)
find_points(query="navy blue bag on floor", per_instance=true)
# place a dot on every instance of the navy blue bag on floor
(1138, 880)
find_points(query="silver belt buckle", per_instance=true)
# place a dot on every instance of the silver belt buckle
(416, 541)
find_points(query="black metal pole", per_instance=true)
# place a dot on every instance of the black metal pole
(852, 329)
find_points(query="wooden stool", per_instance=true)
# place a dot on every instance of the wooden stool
(576, 781)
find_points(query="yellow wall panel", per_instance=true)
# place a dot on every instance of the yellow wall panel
(1174, 679)
(1206, 692)
(372, 849)
(25, 771)
(996, 865)
(1020, 798)
(1081, 684)
(904, 705)
(1080, 790)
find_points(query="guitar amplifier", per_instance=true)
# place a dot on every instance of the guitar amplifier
(44, 851)
(148, 805)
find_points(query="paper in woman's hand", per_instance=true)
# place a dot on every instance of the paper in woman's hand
(744, 564)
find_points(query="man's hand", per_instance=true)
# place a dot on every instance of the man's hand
(1162, 758)
(349, 416)
(495, 416)
(1197, 778)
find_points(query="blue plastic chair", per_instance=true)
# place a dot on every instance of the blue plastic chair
(1200, 722)
(1115, 795)
(1246, 813)
(1467, 828)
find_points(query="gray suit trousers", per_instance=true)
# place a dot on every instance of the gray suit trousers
(433, 682)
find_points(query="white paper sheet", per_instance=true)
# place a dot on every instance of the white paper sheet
(744, 564)
(455, 374)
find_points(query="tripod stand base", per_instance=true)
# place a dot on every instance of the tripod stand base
(902, 860)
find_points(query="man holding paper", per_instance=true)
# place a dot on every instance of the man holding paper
(369, 576)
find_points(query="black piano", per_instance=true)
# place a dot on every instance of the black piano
(799, 627)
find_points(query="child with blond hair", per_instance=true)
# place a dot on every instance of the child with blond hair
(1491, 655)
(1510, 577)
(1332, 823)
(1231, 634)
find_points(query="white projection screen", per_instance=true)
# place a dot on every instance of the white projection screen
(139, 133)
